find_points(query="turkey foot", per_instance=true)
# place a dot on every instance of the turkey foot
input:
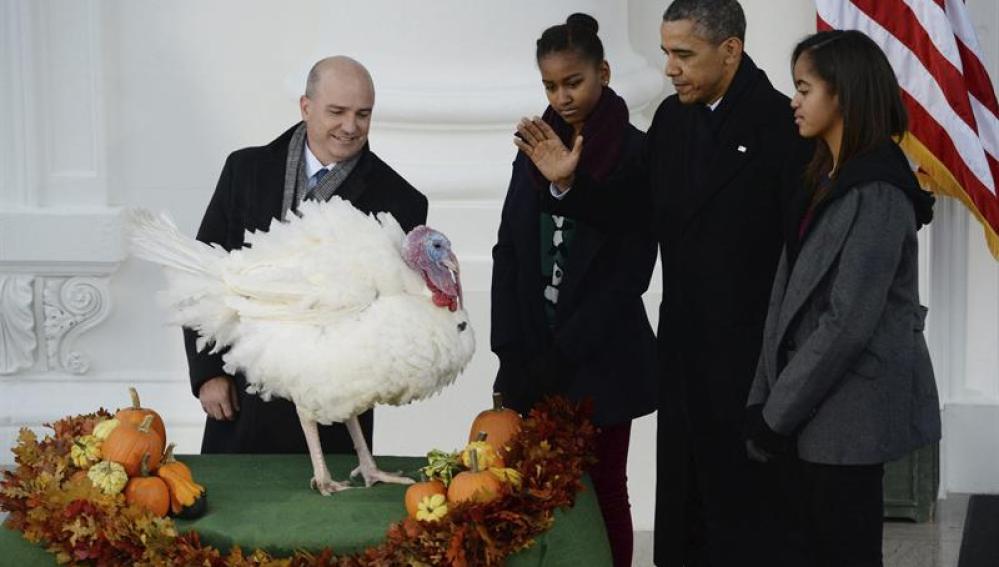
(373, 474)
(327, 485)
(367, 467)
(321, 479)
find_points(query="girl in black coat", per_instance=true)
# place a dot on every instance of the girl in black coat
(567, 311)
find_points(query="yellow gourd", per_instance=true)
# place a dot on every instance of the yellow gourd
(85, 451)
(432, 508)
(487, 455)
(185, 494)
(108, 476)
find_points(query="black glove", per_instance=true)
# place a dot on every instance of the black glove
(763, 436)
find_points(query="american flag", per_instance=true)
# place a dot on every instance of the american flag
(953, 114)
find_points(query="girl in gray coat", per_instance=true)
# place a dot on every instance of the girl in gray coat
(844, 381)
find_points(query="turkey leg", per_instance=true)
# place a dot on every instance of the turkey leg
(321, 480)
(366, 467)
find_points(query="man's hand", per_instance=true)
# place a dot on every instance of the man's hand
(537, 139)
(219, 398)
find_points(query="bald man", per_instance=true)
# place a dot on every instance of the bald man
(325, 154)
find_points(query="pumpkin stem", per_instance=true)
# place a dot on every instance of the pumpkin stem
(144, 467)
(473, 458)
(147, 424)
(168, 454)
(135, 397)
(497, 401)
(481, 436)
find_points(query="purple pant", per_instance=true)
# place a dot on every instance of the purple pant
(610, 479)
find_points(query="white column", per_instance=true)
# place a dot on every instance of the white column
(968, 365)
(18, 161)
(59, 239)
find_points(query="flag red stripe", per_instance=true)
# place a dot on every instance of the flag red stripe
(977, 78)
(902, 23)
(923, 126)
(935, 138)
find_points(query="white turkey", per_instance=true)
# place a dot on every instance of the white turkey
(334, 310)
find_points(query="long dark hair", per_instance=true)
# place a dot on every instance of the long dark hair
(857, 72)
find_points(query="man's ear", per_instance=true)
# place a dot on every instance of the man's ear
(733, 50)
(303, 105)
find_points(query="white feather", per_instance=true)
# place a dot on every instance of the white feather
(321, 309)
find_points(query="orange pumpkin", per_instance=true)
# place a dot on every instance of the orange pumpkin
(417, 492)
(128, 443)
(184, 492)
(474, 485)
(149, 492)
(135, 414)
(499, 423)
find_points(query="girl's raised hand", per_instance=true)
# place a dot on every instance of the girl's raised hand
(544, 148)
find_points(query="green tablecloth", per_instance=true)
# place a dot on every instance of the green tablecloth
(265, 501)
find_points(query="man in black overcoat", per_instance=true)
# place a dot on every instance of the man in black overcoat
(324, 155)
(722, 163)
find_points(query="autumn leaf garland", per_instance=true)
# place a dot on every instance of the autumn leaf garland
(50, 502)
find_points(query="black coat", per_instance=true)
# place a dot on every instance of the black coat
(721, 220)
(602, 345)
(248, 197)
(720, 244)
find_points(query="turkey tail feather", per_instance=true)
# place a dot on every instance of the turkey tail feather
(196, 291)
(157, 239)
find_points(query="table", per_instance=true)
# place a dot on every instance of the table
(264, 501)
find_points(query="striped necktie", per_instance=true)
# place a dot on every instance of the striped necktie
(314, 182)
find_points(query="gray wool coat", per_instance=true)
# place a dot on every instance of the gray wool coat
(844, 364)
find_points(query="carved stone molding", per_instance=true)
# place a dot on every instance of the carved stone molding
(71, 306)
(17, 323)
(55, 270)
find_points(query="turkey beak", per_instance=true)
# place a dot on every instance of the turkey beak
(451, 263)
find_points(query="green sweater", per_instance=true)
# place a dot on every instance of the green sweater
(556, 238)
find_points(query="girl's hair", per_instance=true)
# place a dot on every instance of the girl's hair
(578, 33)
(857, 72)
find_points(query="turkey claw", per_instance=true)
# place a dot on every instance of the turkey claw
(373, 475)
(327, 486)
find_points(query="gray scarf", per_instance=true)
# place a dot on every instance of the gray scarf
(296, 182)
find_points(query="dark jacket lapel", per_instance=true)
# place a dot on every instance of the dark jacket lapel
(770, 339)
(268, 182)
(355, 185)
(734, 151)
(736, 137)
(818, 252)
